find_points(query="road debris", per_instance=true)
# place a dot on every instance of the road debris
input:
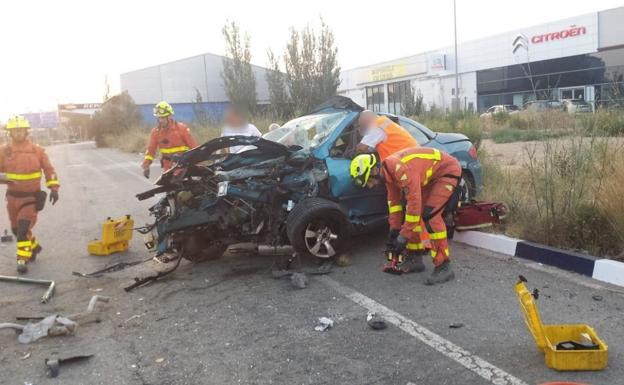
(159, 360)
(325, 324)
(53, 365)
(299, 280)
(6, 238)
(51, 326)
(597, 297)
(343, 260)
(46, 296)
(375, 321)
(456, 325)
(110, 269)
(25, 356)
(55, 325)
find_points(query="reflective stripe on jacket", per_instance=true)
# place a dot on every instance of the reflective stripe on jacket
(23, 165)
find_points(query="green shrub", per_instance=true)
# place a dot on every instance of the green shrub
(462, 123)
(118, 115)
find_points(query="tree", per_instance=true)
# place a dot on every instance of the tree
(238, 76)
(198, 108)
(412, 103)
(277, 87)
(312, 71)
(118, 114)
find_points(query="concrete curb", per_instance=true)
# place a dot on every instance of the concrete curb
(605, 270)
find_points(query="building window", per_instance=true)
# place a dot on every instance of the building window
(396, 94)
(375, 98)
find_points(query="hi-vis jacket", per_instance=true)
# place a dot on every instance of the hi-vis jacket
(23, 165)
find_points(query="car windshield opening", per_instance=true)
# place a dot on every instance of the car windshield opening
(307, 131)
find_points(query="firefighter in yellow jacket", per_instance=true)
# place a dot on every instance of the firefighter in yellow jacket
(22, 162)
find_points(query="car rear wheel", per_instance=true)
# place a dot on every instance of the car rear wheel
(318, 227)
(467, 187)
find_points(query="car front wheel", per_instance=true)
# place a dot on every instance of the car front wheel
(318, 227)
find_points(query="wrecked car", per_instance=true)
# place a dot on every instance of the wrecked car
(291, 186)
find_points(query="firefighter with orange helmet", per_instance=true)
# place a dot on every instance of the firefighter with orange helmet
(426, 179)
(170, 137)
(22, 163)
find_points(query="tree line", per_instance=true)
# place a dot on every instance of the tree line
(304, 75)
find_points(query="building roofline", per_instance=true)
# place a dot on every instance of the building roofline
(472, 41)
(183, 59)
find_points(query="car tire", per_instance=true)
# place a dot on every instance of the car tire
(318, 227)
(467, 187)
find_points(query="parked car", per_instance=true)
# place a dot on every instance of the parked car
(541, 105)
(291, 186)
(500, 109)
(572, 106)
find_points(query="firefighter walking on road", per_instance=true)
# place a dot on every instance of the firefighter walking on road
(22, 162)
(426, 180)
(170, 137)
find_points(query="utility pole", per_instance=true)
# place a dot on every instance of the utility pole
(456, 100)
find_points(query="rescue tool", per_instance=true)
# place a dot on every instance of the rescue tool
(394, 259)
(565, 347)
(116, 233)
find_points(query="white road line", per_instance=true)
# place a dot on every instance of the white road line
(470, 361)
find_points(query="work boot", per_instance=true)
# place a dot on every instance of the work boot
(413, 263)
(36, 250)
(21, 266)
(440, 274)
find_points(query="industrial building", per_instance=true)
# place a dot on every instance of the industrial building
(576, 58)
(182, 83)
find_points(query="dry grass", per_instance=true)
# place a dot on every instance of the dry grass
(566, 193)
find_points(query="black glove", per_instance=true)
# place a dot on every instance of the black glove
(54, 197)
(392, 235)
(399, 244)
(146, 172)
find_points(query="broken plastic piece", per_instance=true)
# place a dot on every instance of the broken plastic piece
(325, 323)
(375, 321)
(53, 325)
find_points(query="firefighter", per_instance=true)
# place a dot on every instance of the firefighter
(382, 135)
(22, 161)
(170, 136)
(426, 179)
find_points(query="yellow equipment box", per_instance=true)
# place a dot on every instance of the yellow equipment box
(116, 233)
(555, 340)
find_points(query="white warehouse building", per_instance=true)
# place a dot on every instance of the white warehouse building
(576, 58)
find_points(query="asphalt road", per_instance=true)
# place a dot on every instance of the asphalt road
(228, 322)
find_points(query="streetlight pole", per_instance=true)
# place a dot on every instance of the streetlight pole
(456, 101)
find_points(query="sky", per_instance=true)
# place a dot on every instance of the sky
(64, 51)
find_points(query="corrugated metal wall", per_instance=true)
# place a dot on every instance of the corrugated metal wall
(178, 82)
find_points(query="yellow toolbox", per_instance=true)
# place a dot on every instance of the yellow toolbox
(116, 233)
(555, 340)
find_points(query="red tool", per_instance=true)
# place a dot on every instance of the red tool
(394, 259)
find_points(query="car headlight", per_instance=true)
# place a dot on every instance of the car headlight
(222, 188)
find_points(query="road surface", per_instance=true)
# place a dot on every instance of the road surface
(228, 322)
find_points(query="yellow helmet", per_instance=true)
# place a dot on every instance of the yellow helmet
(163, 109)
(361, 167)
(17, 121)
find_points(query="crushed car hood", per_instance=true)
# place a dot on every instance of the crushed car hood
(206, 150)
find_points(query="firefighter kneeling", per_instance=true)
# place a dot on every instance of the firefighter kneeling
(22, 161)
(426, 179)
